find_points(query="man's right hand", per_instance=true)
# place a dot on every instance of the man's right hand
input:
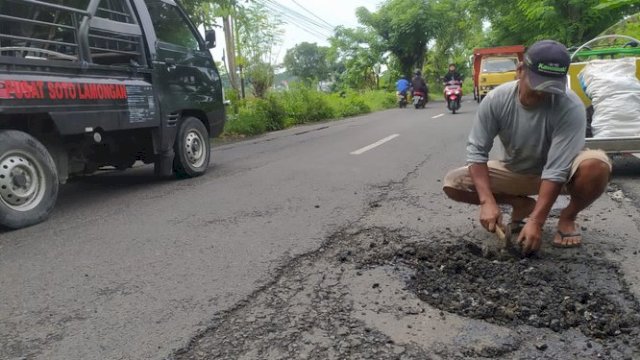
(490, 216)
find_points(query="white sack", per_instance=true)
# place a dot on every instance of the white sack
(614, 91)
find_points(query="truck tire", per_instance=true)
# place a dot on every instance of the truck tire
(28, 180)
(192, 149)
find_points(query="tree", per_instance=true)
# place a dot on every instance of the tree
(404, 28)
(459, 30)
(356, 56)
(206, 12)
(261, 76)
(307, 61)
(571, 22)
(612, 4)
(629, 26)
(257, 33)
(251, 33)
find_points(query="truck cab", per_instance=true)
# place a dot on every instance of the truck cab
(493, 67)
(494, 71)
(100, 84)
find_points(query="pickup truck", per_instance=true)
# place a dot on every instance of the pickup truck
(629, 145)
(100, 84)
(494, 66)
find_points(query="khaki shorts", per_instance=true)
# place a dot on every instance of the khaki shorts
(507, 182)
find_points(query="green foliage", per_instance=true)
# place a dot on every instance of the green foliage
(260, 76)
(349, 104)
(307, 61)
(572, 22)
(613, 4)
(249, 120)
(460, 31)
(305, 105)
(357, 56)
(205, 12)
(274, 112)
(301, 105)
(629, 26)
(379, 100)
(258, 33)
(404, 28)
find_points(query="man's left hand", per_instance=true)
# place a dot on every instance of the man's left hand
(530, 238)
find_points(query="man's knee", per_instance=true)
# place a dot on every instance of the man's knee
(593, 170)
(591, 178)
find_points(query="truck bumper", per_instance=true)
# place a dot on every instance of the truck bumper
(615, 145)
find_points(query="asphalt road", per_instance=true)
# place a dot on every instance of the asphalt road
(129, 267)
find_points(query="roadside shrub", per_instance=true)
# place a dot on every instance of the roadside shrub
(349, 105)
(275, 112)
(300, 105)
(303, 105)
(380, 99)
(250, 119)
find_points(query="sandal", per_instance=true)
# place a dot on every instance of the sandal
(561, 243)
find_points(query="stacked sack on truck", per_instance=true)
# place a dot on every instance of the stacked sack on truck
(614, 91)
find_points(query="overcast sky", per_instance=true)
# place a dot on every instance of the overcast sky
(334, 12)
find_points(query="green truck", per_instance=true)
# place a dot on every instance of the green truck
(100, 83)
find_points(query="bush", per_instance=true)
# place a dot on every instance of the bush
(380, 100)
(301, 105)
(274, 111)
(248, 121)
(349, 105)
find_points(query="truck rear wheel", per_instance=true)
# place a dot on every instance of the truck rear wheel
(28, 180)
(192, 148)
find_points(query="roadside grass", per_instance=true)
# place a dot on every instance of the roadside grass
(297, 106)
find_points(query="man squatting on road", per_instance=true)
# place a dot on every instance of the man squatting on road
(542, 125)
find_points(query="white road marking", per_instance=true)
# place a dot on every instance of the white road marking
(437, 116)
(374, 145)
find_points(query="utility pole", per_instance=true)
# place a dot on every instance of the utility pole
(241, 60)
(227, 24)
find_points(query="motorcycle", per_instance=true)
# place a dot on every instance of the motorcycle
(419, 99)
(453, 94)
(402, 99)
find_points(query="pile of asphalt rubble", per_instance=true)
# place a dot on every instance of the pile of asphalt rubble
(557, 293)
(562, 304)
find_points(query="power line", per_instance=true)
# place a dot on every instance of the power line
(296, 16)
(312, 14)
(298, 20)
(293, 12)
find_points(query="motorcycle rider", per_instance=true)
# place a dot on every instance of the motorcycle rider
(418, 84)
(402, 86)
(453, 75)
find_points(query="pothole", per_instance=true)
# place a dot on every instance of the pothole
(578, 292)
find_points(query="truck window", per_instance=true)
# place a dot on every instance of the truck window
(111, 41)
(50, 31)
(171, 26)
(36, 31)
(496, 65)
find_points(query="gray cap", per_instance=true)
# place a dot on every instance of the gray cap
(547, 64)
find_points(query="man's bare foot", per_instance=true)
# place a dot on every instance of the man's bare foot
(522, 207)
(568, 234)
